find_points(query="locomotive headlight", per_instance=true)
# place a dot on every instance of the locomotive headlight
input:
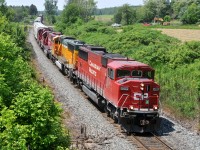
(155, 107)
(131, 107)
(124, 88)
(156, 89)
(142, 86)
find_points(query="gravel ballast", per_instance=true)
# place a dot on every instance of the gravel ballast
(101, 133)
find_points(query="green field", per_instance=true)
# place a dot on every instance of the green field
(104, 18)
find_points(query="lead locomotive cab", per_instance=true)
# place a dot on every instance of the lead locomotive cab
(133, 95)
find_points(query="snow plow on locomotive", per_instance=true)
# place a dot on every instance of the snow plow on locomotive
(123, 87)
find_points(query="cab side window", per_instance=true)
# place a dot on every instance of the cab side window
(111, 73)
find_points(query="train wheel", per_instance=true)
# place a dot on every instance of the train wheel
(115, 119)
(128, 133)
(65, 71)
(108, 114)
(78, 83)
(73, 80)
(107, 111)
(48, 55)
(71, 75)
(53, 60)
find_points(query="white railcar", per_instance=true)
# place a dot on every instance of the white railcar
(36, 27)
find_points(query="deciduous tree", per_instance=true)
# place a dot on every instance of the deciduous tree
(125, 15)
(33, 10)
(84, 7)
(51, 9)
(192, 14)
(155, 8)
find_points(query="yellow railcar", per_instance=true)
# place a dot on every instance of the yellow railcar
(65, 53)
(70, 50)
(57, 46)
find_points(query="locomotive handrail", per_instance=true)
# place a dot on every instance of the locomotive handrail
(124, 100)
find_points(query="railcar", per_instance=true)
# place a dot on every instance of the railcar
(124, 88)
(65, 53)
(37, 27)
(50, 43)
(44, 40)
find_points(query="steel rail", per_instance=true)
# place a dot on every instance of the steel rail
(157, 138)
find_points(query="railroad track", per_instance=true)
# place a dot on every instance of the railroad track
(150, 142)
(145, 141)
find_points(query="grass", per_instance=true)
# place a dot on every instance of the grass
(172, 26)
(176, 24)
(104, 18)
(195, 27)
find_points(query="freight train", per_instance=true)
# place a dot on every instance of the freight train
(124, 88)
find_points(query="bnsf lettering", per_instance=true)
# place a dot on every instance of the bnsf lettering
(92, 72)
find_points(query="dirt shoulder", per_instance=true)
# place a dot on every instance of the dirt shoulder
(184, 35)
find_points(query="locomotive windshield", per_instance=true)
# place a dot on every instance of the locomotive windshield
(135, 74)
(123, 73)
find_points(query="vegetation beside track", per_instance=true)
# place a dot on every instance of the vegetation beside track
(29, 117)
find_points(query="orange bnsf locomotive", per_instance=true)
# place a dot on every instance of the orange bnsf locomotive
(123, 87)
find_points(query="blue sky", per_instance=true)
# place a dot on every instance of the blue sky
(100, 3)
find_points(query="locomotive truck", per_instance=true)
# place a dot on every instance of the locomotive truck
(123, 87)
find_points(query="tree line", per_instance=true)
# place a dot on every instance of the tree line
(187, 11)
(18, 13)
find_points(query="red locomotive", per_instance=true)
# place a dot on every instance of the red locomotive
(123, 87)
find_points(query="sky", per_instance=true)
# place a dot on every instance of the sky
(100, 3)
